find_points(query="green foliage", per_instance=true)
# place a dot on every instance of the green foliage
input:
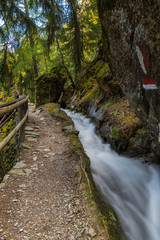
(115, 134)
(28, 31)
(102, 72)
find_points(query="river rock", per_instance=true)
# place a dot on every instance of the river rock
(70, 129)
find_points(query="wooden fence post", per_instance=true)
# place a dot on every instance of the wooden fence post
(22, 106)
(21, 111)
(2, 165)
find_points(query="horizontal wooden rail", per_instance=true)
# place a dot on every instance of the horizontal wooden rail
(12, 102)
(10, 108)
(6, 140)
(7, 119)
(22, 105)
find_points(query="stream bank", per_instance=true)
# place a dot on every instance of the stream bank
(99, 96)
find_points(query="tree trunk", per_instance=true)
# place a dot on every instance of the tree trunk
(35, 64)
(65, 67)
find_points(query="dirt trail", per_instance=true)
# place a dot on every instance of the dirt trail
(41, 197)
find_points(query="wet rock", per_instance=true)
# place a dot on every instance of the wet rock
(70, 129)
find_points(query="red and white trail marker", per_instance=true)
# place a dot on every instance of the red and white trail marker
(148, 83)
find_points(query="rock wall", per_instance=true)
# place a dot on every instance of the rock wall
(131, 39)
(99, 96)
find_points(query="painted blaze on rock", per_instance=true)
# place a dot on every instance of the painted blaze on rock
(49, 86)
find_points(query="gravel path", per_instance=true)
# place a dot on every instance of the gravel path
(41, 197)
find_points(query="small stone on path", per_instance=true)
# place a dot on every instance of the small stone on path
(20, 164)
(46, 150)
(31, 139)
(91, 232)
(29, 129)
(32, 133)
(25, 146)
(17, 172)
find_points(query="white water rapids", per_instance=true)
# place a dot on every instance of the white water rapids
(131, 187)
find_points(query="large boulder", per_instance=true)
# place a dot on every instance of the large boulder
(131, 39)
(49, 86)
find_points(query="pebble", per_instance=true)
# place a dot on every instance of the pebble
(46, 150)
(32, 133)
(29, 129)
(51, 154)
(25, 146)
(91, 232)
(20, 165)
(31, 139)
(28, 171)
(35, 158)
(17, 172)
(38, 111)
(22, 186)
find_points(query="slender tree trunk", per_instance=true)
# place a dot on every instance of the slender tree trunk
(63, 63)
(35, 64)
(20, 84)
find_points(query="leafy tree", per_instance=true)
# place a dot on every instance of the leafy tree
(40, 33)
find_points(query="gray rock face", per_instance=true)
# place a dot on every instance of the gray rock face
(131, 39)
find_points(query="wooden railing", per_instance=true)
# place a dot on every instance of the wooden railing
(21, 104)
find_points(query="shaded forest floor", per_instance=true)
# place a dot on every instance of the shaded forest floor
(42, 196)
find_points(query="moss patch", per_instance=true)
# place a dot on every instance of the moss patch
(123, 120)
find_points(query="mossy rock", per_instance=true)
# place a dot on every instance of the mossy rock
(49, 86)
(140, 144)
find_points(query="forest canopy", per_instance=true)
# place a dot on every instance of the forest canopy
(35, 35)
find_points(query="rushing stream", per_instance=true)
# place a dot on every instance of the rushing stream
(131, 187)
